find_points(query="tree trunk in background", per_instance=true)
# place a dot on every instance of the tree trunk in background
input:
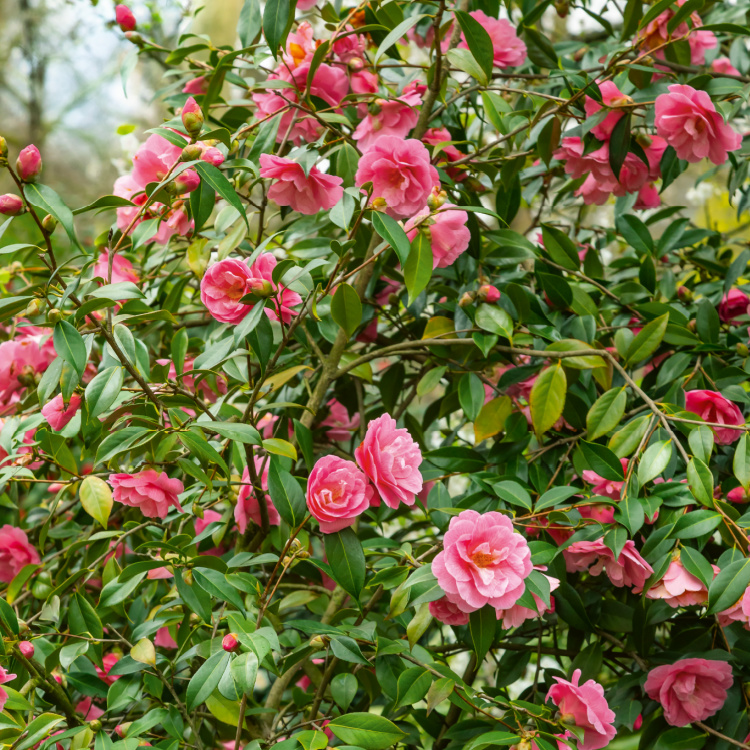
(218, 20)
(36, 60)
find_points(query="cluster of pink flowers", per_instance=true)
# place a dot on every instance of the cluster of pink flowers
(22, 359)
(387, 469)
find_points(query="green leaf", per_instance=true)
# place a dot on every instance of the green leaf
(701, 440)
(237, 431)
(741, 461)
(280, 447)
(619, 144)
(343, 689)
(245, 672)
(465, 61)
(602, 461)
(701, 482)
(199, 447)
(50, 202)
(418, 266)
(215, 178)
(697, 565)
(107, 201)
(103, 390)
(144, 652)
(391, 38)
(391, 231)
(118, 442)
(647, 341)
(630, 513)
(560, 247)
(346, 309)
(37, 730)
(96, 499)
(478, 39)
(412, 686)
(366, 730)
(69, 346)
(695, 524)
(606, 413)
(548, 398)
(494, 319)
(286, 494)
(206, 679)
(728, 586)
(654, 460)
(347, 561)
(470, 395)
(635, 231)
(482, 627)
(277, 16)
(250, 23)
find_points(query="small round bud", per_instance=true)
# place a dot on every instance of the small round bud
(379, 203)
(230, 643)
(124, 18)
(3, 148)
(34, 307)
(122, 729)
(11, 205)
(488, 293)
(467, 298)
(691, 326)
(260, 288)
(318, 642)
(295, 546)
(135, 38)
(185, 182)
(197, 509)
(436, 200)
(49, 223)
(191, 152)
(95, 725)
(54, 315)
(192, 117)
(303, 554)
(26, 648)
(29, 163)
(684, 294)
(742, 350)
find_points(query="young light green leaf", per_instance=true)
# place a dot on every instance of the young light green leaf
(96, 499)
(548, 398)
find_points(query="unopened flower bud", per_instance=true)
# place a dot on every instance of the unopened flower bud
(134, 37)
(11, 205)
(436, 199)
(29, 163)
(185, 182)
(197, 509)
(318, 642)
(191, 152)
(684, 294)
(49, 223)
(691, 326)
(187, 576)
(34, 307)
(212, 155)
(562, 7)
(303, 554)
(125, 18)
(121, 729)
(260, 287)
(467, 298)
(488, 293)
(3, 148)
(192, 117)
(742, 350)
(26, 648)
(379, 203)
(95, 725)
(230, 643)
(54, 315)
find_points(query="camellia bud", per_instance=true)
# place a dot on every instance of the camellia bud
(379, 203)
(318, 642)
(684, 294)
(26, 648)
(3, 148)
(34, 307)
(436, 199)
(192, 117)
(121, 729)
(488, 293)
(11, 205)
(135, 38)
(742, 350)
(125, 18)
(29, 163)
(192, 152)
(212, 155)
(260, 287)
(197, 509)
(185, 182)
(295, 546)
(54, 315)
(467, 298)
(230, 643)
(95, 725)
(49, 223)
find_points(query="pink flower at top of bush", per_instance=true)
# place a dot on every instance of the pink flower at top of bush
(395, 118)
(163, 638)
(629, 569)
(124, 18)
(247, 507)
(678, 588)
(108, 662)
(711, 406)
(587, 708)
(733, 304)
(483, 561)
(401, 174)
(4, 677)
(390, 458)
(508, 50)
(340, 424)
(306, 194)
(153, 493)
(687, 119)
(197, 85)
(154, 159)
(723, 66)
(516, 615)
(613, 99)
(222, 288)
(690, 689)
(29, 163)
(337, 493)
(448, 612)
(606, 487)
(122, 268)
(15, 552)
(58, 414)
(449, 235)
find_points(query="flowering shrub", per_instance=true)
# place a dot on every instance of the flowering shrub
(358, 425)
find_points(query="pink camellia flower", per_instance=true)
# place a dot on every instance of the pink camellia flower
(154, 159)
(483, 561)
(337, 492)
(212, 155)
(11, 205)
(57, 414)
(448, 612)
(15, 552)
(306, 4)
(122, 268)
(648, 197)
(508, 50)
(587, 708)
(448, 153)
(222, 287)
(23, 357)
(300, 46)
(605, 487)
(89, 710)
(197, 85)
(284, 299)
(209, 517)
(738, 495)
(159, 574)
(340, 424)
(738, 612)
(613, 99)
(154, 493)
(108, 662)
(516, 615)
(711, 406)
(247, 507)
(29, 163)
(679, 588)
(446, 227)
(306, 194)
(733, 304)
(629, 569)
(689, 122)
(163, 638)
(4, 677)
(349, 46)
(723, 66)
(401, 174)
(657, 33)
(124, 18)
(690, 689)
(390, 459)
(395, 117)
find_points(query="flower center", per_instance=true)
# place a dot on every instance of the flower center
(483, 559)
